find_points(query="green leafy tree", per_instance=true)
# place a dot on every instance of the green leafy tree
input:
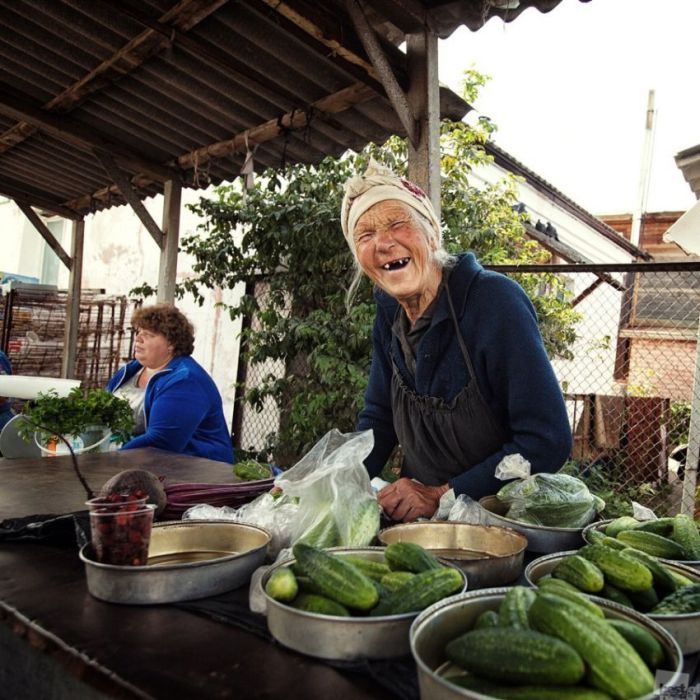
(292, 240)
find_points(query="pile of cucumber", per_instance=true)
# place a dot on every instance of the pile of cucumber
(631, 577)
(408, 579)
(674, 538)
(550, 644)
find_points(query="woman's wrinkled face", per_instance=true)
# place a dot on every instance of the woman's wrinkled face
(394, 250)
(152, 349)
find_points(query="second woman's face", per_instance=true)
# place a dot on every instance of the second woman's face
(152, 349)
(394, 251)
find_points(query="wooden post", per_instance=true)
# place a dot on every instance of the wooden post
(171, 232)
(424, 99)
(70, 338)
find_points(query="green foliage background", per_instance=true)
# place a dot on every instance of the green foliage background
(292, 238)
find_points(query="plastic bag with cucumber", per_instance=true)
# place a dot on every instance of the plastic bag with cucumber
(552, 500)
(337, 506)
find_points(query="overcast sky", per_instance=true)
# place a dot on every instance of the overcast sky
(569, 94)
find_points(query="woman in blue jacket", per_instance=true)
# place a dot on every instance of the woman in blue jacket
(459, 375)
(176, 404)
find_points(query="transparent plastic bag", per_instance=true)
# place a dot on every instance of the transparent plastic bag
(325, 500)
(337, 505)
(459, 509)
(552, 500)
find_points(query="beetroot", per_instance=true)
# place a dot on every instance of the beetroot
(132, 480)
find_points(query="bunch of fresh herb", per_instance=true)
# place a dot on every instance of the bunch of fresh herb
(73, 414)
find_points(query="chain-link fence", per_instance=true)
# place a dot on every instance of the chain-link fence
(628, 384)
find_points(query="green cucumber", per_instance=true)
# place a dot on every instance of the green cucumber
(323, 534)
(662, 577)
(616, 596)
(685, 533)
(488, 618)
(614, 666)
(622, 571)
(393, 580)
(643, 601)
(421, 591)
(309, 602)
(339, 580)
(656, 545)
(521, 656)
(625, 522)
(660, 526)
(512, 612)
(646, 644)
(566, 590)
(373, 568)
(580, 572)
(282, 585)
(408, 556)
(363, 525)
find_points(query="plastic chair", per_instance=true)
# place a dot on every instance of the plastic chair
(12, 446)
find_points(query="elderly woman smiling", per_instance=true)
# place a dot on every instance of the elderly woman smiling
(459, 376)
(176, 404)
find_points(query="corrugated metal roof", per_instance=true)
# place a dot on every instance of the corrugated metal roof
(173, 88)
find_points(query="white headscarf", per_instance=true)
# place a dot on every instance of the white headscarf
(377, 184)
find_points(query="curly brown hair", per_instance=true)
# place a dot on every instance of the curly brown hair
(168, 320)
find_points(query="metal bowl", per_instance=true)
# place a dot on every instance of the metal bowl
(186, 560)
(442, 622)
(540, 538)
(488, 555)
(685, 629)
(339, 638)
(602, 524)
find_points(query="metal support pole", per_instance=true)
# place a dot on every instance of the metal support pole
(171, 232)
(690, 475)
(70, 338)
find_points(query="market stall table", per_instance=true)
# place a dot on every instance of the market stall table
(57, 641)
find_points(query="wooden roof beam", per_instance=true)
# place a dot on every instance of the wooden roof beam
(28, 195)
(45, 233)
(267, 131)
(184, 15)
(64, 129)
(128, 192)
(394, 92)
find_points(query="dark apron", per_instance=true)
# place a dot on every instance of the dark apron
(442, 440)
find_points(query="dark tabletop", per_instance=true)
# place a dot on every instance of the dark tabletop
(137, 651)
(49, 485)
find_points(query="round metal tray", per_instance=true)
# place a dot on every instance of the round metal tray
(442, 622)
(540, 539)
(339, 638)
(487, 554)
(186, 560)
(685, 629)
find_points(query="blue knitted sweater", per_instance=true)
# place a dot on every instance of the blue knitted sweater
(499, 326)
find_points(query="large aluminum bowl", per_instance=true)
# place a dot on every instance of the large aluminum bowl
(442, 622)
(602, 524)
(488, 555)
(339, 638)
(186, 560)
(685, 629)
(541, 539)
